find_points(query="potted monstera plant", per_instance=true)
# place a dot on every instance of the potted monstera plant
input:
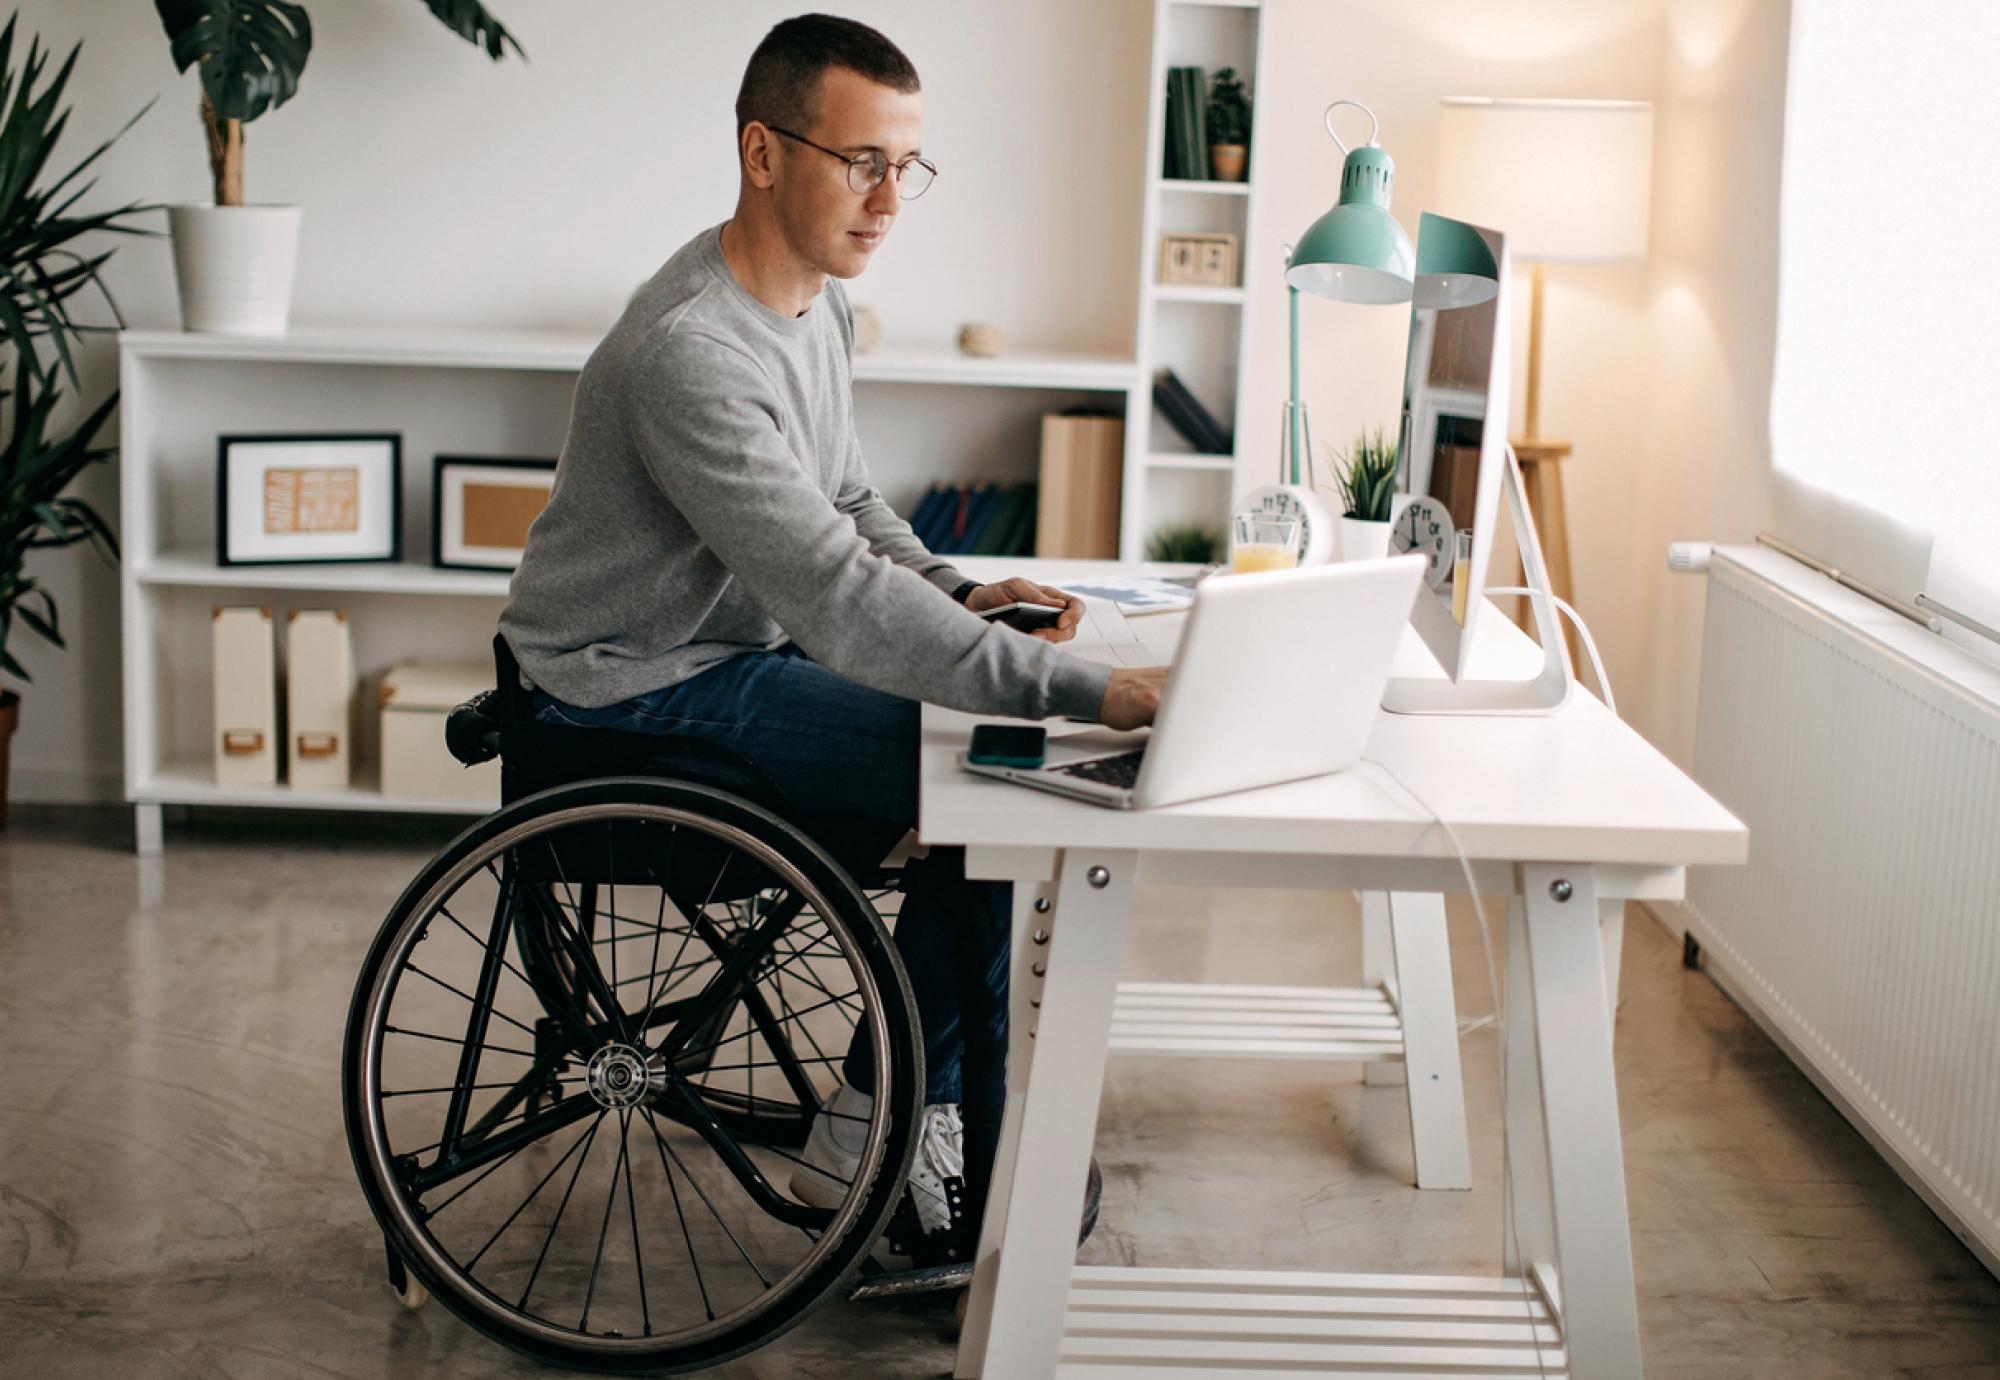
(41, 271)
(233, 260)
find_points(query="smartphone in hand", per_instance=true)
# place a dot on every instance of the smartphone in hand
(1023, 617)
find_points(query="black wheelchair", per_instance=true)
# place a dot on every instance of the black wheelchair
(553, 1058)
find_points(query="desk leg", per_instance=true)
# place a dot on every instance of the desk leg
(1611, 926)
(1034, 913)
(1559, 1056)
(1378, 969)
(1058, 1120)
(1430, 1040)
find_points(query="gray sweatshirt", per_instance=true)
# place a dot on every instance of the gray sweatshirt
(711, 501)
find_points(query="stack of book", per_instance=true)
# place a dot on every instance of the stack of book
(1196, 424)
(981, 519)
(1187, 124)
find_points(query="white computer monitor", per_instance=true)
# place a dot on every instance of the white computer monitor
(1457, 471)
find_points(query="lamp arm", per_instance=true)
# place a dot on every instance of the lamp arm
(1295, 417)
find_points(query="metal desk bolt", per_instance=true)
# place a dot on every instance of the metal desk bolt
(1561, 889)
(1098, 877)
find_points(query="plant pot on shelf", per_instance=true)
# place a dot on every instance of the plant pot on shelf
(234, 266)
(1228, 161)
(1363, 541)
(10, 719)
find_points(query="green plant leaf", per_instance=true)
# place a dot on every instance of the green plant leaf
(470, 21)
(249, 52)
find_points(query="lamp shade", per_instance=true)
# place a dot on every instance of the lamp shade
(1567, 181)
(1357, 252)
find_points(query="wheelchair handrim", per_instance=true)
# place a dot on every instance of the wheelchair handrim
(430, 1256)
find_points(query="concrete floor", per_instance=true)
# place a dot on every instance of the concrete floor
(176, 1197)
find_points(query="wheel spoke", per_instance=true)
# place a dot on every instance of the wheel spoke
(534, 1192)
(702, 1194)
(562, 1207)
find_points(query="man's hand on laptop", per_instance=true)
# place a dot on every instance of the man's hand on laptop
(1021, 590)
(1132, 697)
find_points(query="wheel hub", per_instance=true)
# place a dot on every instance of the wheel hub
(624, 1075)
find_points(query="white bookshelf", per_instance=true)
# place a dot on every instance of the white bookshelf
(1196, 331)
(470, 392)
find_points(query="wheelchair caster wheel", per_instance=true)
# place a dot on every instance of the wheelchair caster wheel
(408, 1289)
(414, 1295)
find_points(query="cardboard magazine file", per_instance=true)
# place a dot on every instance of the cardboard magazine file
(416, 697)
(1082, 477)
(319, 699)
(246, 697)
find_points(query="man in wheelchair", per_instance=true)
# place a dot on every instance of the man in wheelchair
(714, 562)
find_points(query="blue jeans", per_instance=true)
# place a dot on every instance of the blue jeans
(842, 750)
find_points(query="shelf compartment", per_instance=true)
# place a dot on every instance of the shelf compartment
(1200, 1020)
(187, 782)
(1212, 296)
(1169, 460)
(400, 577)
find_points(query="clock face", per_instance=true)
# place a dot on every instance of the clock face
(1424, 526)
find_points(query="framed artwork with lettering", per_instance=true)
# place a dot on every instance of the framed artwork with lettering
(482, 508)
(284, 498)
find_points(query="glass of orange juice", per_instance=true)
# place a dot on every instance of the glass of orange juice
(1263, 541)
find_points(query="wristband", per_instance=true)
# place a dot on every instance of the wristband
(964, 591)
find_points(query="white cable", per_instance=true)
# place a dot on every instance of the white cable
(1589, 645)
(1499, 1020)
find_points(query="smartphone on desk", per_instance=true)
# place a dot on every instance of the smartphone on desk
(1023, 617)
(1008, 745)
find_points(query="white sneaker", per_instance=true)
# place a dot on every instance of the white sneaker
(833, 1150)
(833, 1156)
(940, 1156)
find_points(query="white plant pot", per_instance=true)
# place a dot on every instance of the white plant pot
(1363, 541)
(234, 266)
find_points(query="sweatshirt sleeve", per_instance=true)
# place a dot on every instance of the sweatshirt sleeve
(706, 423)
(887, 535)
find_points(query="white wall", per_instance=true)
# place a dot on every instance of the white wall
(1402, 59)
(441, 189)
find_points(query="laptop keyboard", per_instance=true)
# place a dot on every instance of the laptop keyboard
(1120, 772)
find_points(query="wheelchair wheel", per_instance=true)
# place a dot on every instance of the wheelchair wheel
(581, 1058)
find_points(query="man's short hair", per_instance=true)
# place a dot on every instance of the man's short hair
(781, 84)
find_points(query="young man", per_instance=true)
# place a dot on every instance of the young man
(714, 561)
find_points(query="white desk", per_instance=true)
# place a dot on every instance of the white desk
(1565, 815)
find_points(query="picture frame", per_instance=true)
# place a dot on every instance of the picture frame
(1205, 259)
(482, 507)
(293, 498)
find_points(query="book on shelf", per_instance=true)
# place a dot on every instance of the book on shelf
(1185, 138)
(982, 519)
(1185, 413)
(1082, 480)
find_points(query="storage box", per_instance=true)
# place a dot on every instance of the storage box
(319, 699)
(1082, 475)
(416, 696)
(245, 672)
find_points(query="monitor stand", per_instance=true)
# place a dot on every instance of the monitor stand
(1545, 693)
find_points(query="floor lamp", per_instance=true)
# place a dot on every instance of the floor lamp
(1569, 182)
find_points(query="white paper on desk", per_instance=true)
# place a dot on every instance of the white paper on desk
(1112, 642)
(1135, 594)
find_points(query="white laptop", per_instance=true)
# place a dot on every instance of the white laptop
(1278, 676)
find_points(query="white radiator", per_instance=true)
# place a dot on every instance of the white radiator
(1865, 932)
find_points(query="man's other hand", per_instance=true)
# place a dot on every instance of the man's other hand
(1132, 697)
(1021, 590)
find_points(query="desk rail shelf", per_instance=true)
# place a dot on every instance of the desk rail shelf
(1125, 1322)
(1211, 1021)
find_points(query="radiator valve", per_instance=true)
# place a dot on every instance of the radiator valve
(1689, 557)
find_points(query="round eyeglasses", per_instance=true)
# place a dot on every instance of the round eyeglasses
(866, 172)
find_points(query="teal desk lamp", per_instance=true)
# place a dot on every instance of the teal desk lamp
(1356, 252)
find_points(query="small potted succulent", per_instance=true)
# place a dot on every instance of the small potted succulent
(1228, 127)
(233, 260)
(1367, 478)
(1185, 543)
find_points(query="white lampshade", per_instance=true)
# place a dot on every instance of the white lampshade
(1565, 181)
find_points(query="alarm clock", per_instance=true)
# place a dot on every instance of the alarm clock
(1424, 526)
(1319, 531)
